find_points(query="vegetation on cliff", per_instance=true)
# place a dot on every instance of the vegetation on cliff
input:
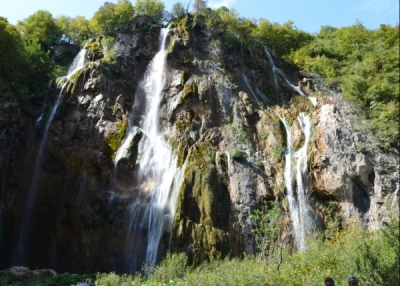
(372, 257)
(362, 64)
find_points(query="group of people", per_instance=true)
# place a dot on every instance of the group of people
(353, 281)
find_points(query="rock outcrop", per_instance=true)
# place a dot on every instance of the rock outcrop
(221, 113)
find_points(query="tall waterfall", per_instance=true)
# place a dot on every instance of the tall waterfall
(302, 215)
(77, 64)
(153, 207)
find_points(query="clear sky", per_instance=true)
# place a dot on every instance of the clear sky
(307, 15)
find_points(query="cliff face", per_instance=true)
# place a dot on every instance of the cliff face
(221, 112)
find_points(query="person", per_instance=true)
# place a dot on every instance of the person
(329, 281)
(353, 280)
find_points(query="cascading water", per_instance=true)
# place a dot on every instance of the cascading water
(276, 71)
(258, 95)
(153, 207)
(302, 215)
(272, 64)
(77, 64)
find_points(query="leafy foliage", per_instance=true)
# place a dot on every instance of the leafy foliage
(178, 10)
(199, 6)
(40, 28)
(152, 8)
(371, 256)
(75, 30)
(266, 230)
(12, 52)
(364, 64)
(280, 39)
(23, 60)
(112, 18)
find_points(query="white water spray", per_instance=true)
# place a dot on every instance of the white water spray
(151, 212)
(302, 215)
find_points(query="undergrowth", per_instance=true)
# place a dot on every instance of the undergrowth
(372, 256)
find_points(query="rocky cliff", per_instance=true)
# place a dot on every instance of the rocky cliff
(68, 207)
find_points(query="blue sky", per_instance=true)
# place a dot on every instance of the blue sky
(308, 15)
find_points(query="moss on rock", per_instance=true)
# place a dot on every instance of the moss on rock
(114, 139)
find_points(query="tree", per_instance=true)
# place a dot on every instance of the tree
(112, 18)
(178, 10)
(75, 30)
(199, 6)
(152, 8)
(123, 14)
(40, 28)
(11, 50)
(102, 21)
(266, 229)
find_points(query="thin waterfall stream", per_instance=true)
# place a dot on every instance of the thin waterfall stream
(152, 209)
(276, 71)
(76, 65)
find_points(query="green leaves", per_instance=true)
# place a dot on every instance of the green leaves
(266, 229)
(152, 8)
(365, 63)
(40, 28)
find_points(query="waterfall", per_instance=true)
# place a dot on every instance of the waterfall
(272, 64)
(253, 61)
(77, 64)
(152, 209)
(40, 118)
(246, 81)
(276, 71)
(302, 215)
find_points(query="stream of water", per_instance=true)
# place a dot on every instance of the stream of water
(302, 215)
(25, 225)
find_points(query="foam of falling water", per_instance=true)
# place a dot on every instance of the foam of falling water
(31, 195)
(301, 213)
(313, 100)
(78, 63)
(40, 118)
(294, 87)
(153, 208)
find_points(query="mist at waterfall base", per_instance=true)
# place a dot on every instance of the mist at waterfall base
(25, 227)
(152, 208)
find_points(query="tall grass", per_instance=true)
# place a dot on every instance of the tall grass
(371, 256)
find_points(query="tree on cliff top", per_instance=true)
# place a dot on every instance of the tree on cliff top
(155, 9)
(112, 18)
(199, 6)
